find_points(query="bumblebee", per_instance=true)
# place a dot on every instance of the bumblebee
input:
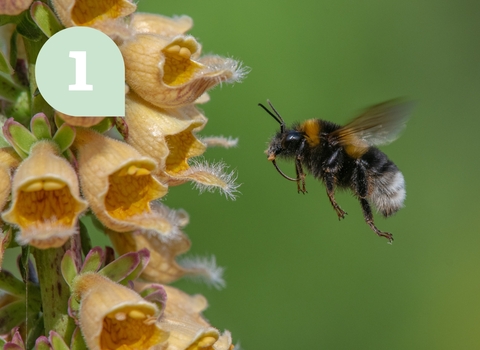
(346, 157)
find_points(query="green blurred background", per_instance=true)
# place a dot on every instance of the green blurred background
(297, 278)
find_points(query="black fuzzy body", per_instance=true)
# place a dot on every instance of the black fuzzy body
(372, 176)
(345, 157)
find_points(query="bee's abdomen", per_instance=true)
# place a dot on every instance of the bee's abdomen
(387, 191)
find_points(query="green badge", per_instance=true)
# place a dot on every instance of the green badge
(80, 72)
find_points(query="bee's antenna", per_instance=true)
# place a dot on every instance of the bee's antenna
(277, 117)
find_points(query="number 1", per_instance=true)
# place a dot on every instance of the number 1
(80, 72)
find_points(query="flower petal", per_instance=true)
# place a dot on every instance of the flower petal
(166, 135)
(164, 247)
(164, 71)
(79, 121)
(206, 178)
(91, 12)
(149, 23)
(220, 141)
(8, 160)
(117, 182)
(14, 7)
(188, 329)
(5, 238)
(46, 199)
(113, 316)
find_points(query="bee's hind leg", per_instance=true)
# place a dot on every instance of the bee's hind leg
(367, 214)
(330, 184)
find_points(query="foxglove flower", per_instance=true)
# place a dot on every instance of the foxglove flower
(117, 182)
(46, 202)
(112, 316)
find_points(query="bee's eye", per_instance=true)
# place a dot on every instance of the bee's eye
(293, 136)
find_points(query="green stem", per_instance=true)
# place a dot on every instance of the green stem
(39, 104)
(55, 292)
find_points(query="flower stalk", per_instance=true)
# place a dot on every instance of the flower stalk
(54, 291)
(36, 101)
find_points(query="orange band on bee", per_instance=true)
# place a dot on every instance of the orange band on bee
(355, 151)
(311, 128)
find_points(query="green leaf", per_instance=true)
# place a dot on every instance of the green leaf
(28, 28)
(85, 239)
(13, 49)
(20, 109)
(35, 333)
(73, 306)
(93, 260)
(57, 341)
(144, 256)
(11, 315)
(42, 344)
(12, 285)
(69, 268)
(45, 19)
(3, 142)
(120, 268)
(64, 137)
(105, 125)
(24, 264)
(19, 136)
(58, 120)
(40, 126)
(5, 19)
(78, 343)
(5, 66)
(9, 90)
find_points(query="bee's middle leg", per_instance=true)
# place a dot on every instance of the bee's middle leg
(299, 169)
(330, 184)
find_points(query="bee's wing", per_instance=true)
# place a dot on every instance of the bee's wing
(379, 125)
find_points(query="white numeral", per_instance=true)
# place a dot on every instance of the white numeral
(80, 72)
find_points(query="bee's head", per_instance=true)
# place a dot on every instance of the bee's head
(286, 141)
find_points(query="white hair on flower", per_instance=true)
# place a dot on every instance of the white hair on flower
(229, 189)
(205, 269)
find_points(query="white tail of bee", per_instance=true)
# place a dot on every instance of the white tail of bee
(388, 193)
